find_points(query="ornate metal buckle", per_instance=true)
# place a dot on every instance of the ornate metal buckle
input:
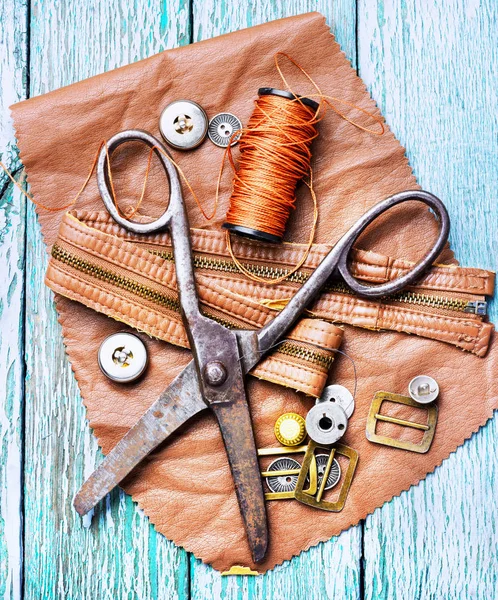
(280, 451)
(375, 415)
(313, 496)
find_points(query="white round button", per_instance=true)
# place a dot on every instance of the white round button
(123, 357)
(423, 389)
(183, 124)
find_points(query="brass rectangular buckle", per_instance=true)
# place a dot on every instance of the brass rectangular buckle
(375, 415)
(313, 496)
(265, 474)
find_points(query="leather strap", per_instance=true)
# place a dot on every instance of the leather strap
(127, 277)
(134, 286)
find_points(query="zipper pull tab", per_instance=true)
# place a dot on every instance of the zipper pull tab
(477, 307)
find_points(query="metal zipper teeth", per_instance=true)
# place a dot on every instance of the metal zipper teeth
(125, 283)
(300, 277)
(143, 291)
(302, 353)
(228, 266)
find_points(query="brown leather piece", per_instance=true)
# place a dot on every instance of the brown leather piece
(185, 487)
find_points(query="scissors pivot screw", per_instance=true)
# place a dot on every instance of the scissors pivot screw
(215, 373)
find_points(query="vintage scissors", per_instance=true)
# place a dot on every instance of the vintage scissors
(221, 357)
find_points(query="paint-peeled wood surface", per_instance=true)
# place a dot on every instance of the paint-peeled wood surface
(120, 555)
(12, 220)
(434, 73)
(432, 68)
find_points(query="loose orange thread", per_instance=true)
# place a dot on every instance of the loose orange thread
(52, 208)
(275, 155)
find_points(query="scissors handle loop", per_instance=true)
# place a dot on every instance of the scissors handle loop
(137, 135)
(337, 260)
(396, 285)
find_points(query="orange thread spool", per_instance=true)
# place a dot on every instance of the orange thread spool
(275, 155)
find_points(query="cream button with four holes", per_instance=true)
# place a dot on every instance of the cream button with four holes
(123, 357)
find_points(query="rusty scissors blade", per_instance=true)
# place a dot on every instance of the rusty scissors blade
(181, 401)
(214, 378)
(176, 405)
(221, 357)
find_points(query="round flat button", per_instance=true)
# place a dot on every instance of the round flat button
(183, 124)
(340, 395)
(290, 429)
(221, 128)
(423, 389)
(123, 357)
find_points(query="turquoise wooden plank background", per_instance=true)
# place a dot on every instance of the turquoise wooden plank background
(432, 67)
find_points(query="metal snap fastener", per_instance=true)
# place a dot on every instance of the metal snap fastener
(183, 124)
(221, 128)
(423, 389)
(123, 357)
(290, 429)
(326, 423)
(340, 395)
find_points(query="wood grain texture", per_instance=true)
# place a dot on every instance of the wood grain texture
(12, 215)
(432, 68)
(120, 555)
(330, 570)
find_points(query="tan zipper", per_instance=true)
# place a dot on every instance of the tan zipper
(303, 352)
(290, 348)
(447, 303)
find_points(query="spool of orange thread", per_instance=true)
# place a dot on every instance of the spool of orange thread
(274, 157)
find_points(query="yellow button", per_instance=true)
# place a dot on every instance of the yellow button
(290, 429)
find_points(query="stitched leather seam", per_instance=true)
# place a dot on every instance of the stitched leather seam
(149, 259)
(392, 265)
(139, 324)
(326, 344)
(290, 378)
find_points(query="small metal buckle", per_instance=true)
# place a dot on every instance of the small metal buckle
(313, 496)
(282, 450)
(375, 415)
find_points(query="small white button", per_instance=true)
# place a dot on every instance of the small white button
(423, 389)
(123, 357)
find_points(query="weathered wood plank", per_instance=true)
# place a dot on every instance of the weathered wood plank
(432, 67)
(330, 570)
(120, 555)
(13, 42)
